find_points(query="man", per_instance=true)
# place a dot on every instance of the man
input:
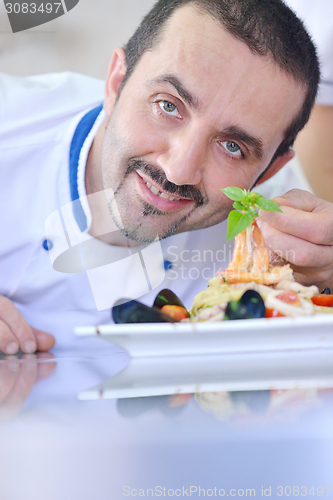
(189, 109)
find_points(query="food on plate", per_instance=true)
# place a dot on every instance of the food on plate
(170, 304)
(167, 308)
(250, 269)
(250, 288)
(133, 311)
(250, 305)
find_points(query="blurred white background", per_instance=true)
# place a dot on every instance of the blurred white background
(81, 40)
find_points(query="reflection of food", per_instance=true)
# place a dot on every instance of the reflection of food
(218, 403)
(258, 406)
(250, 270)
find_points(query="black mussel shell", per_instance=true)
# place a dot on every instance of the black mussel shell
(133, 407)
(249, 306)
(167, 297)
(132, 311)
(327, 291)
(257, 401)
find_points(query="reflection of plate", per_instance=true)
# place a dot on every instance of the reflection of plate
(255, 335)
(223, 372)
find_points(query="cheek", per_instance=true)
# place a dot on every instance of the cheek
(223, 177)
(141, 133)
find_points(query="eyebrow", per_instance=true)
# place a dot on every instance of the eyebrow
(177, 84)
(253, 142)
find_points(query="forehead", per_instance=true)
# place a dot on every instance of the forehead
(231, 84)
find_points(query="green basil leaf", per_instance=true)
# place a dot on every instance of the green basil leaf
(244, 209)
(237, 222)
(239, 206)
(268, 205)
(252, 211)
(234, 193)
(249, 198)
(257, 197)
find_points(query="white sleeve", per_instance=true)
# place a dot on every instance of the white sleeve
(318, 19)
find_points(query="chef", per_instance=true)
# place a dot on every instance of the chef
(114, 190)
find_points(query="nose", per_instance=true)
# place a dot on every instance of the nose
(183, 158)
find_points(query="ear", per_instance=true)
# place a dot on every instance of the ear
(116, 73)
(277, 164)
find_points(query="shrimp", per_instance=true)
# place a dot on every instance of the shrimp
(250, 261)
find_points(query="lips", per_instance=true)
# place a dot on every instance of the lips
(159, 198)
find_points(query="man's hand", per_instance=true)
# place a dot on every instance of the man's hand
(15, 333)
(18, 376)
(302, 235)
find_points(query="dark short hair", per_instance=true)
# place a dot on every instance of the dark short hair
(268, 27)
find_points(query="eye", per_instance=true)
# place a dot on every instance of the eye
(169, 108)
(232, 148)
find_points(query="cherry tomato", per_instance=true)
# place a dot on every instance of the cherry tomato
(273, 313)
(177, 400)
(323, 299)
(176, 312)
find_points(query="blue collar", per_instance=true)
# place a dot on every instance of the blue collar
(80, 135)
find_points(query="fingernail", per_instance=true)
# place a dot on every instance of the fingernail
(11, 348)
(29, 346)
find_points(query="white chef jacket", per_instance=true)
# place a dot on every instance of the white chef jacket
(57, 275)
(51, 289)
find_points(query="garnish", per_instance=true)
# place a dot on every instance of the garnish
(246, 205)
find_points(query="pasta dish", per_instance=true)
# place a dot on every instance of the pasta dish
(250, 269)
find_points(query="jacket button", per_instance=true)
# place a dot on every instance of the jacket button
(47, 245)
(168, 265)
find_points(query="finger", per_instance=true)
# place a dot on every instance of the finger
(296, 250)
(9, 369)
(44, 340)
(17, 325)
(314, 227)
(301, 200)
(45, 370)
(25, 381)
(45, 367)
(313, 276)
(8, 342)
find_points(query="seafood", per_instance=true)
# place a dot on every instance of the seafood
(250, 269)
(249, 306)
(250, 261)
(132, 311)
(167, 308)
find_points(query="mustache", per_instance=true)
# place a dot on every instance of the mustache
(185, 191)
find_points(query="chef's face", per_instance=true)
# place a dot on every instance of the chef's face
(200, 112)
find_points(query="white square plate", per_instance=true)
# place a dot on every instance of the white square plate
(241, 336)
